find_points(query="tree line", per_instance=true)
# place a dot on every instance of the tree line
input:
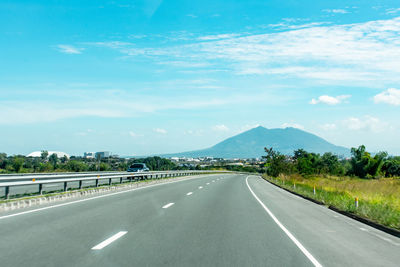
(46, 163)
(361, 164)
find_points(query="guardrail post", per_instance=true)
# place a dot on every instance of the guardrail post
(130, 179)
(40, 189)
(65, 186)
(80, 184)
(120, 180)
(7, 193)
(97, 182)
(109, 181)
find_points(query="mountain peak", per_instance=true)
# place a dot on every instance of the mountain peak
(251, 143)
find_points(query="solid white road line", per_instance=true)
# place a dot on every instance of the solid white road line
(297, 243)
(92, 198)
(168, 205)
(200, 187)
(188, 194)
(109, 240)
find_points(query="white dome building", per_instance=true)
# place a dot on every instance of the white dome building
(38, 154)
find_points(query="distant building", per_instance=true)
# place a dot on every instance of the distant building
(89, 155)
(38, 154)
(102, 154)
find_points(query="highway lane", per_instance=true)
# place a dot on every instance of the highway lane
(336, 239)
(219, 224)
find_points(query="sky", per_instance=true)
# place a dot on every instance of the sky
(148, 77)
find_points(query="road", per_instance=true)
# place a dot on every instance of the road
(214, 220)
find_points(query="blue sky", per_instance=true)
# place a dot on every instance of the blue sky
(144, 77)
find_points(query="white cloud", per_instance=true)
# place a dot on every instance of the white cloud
(69, 49)
(390, 96)
(160, 131)
(328, 126)
(365, 53)
(392, 11)
(362, 53)
(293, 125)
(329, 100)
(220, 128)
(366, 123)
(217, 37)
(288, 25)
(133, 134)
(336, 11)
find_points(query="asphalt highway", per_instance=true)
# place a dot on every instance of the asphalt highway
(213, 220)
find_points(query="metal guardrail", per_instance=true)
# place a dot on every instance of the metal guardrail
(41, 179)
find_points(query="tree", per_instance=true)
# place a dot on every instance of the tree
(307, 163)
(391, 167)
(376, 163)
(44, 155)
(104, 166)
(3, 160)
(36, 164)
(359, 161)
(64, 159)
(76, 166)
(364, 164)
(276, 163)
(17, 163)
(331, 164)
(53, 159)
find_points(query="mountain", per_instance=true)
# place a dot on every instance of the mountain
(250, 144)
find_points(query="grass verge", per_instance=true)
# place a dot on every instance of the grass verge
(378, 200)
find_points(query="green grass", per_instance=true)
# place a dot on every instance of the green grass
(379, 200)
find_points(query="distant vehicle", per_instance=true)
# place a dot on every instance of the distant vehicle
(138, 167)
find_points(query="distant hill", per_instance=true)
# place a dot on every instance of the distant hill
(250, 144)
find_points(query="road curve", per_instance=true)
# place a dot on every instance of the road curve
(216, 220)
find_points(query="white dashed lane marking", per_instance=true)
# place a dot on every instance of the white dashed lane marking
(109, 240)
(168, 205)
